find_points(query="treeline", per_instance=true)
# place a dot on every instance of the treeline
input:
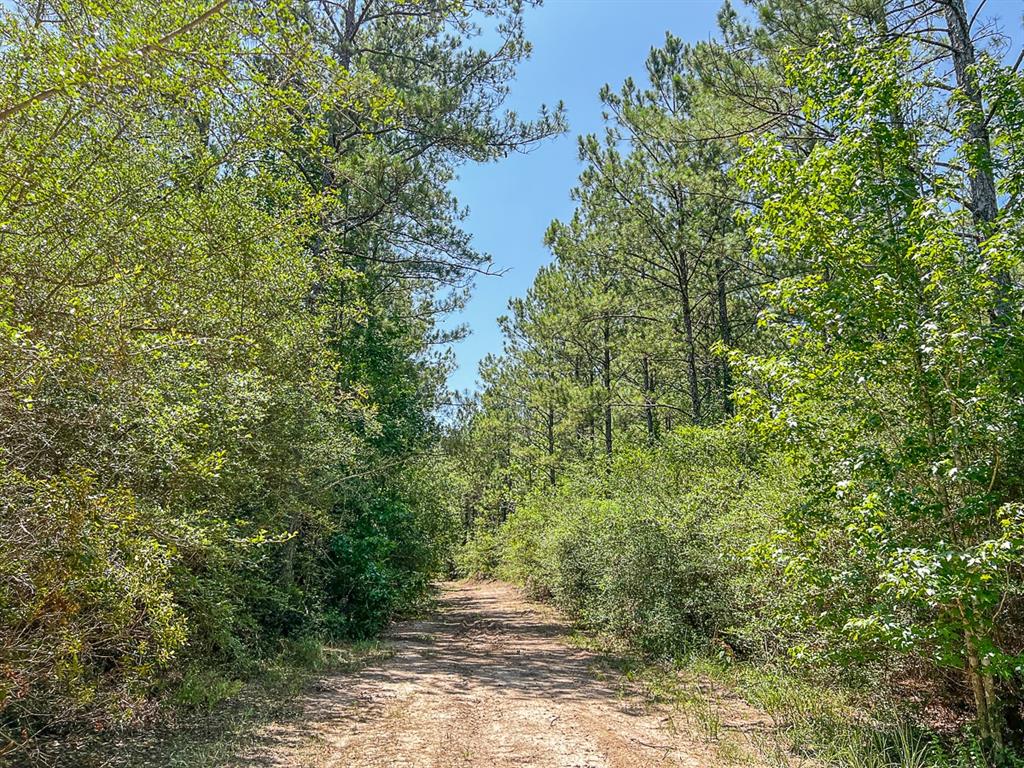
(768, 397)
(225, 241)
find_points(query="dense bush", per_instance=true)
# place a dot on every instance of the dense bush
(809, 229)
(225, 242)
(84, 595)
(658, 551)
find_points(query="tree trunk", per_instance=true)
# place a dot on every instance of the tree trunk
(591, 425)
(724, 333)
(649, 416)
(577, 377)
(551, 444)
(606, 380)
(984, 202)
(683, 279)
(990, 719)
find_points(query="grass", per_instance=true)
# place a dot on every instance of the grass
(791, 721)
(214, 735)
(826, 724)
(830, 725)
(212, 714)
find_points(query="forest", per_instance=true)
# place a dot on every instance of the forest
(763, 410)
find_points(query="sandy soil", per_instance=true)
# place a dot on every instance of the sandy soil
(488, 681)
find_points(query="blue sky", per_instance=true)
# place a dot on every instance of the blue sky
(578, 46)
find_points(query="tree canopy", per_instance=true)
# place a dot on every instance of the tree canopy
(768, 392)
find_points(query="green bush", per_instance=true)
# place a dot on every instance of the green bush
(85, 598)
(656, 552)
(480, 555)
(382, 564)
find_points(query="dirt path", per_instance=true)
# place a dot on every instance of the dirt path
(487, 682)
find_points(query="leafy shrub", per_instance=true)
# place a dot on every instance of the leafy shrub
(480, 555)
(656, 552)
(200, 690)
(85, 601)
(382, 563)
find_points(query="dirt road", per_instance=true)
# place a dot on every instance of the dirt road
(487, 682)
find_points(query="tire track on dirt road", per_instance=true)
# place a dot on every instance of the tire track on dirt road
(487, 681)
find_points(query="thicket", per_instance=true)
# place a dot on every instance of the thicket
(767, 399)
(655, 552)
(225, 241)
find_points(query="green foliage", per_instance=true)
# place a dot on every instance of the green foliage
(899, 379)
(225, 240)
(480, 555)
(802, 241)
(202, 690)
(382, 563)
(655, 552)
(86, 576)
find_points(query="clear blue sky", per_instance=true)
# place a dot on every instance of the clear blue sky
(578, 46)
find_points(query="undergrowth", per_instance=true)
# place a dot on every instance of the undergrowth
(775, 717)
(212, 714)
